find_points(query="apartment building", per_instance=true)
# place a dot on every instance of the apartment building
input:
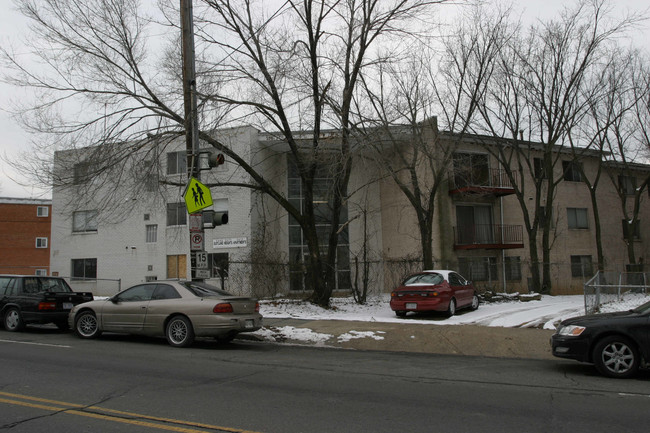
(25, 236)
(479, 227)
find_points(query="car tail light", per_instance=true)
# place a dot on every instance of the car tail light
(222, 308)
(47, 305)
(257, 307)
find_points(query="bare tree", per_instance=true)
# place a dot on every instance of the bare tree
(402, 99)
(541, 94)
(285, 68)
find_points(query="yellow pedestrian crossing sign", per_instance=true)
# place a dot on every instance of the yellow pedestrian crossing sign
(197, 196)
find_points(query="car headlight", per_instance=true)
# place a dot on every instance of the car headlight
(571, 330)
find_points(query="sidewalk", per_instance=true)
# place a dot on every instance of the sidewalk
(469, 340)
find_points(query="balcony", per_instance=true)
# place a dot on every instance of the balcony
(483, 181)
(488, 237)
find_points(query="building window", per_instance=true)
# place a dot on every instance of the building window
(577, 218)
(322, 203)
(513, 268)
(41, 242)
(471, 169)
(634, 229)
(41, 272)
(543, 216)
(581, 267)
(82, 172)
(572, 172)
(218, 263)
(478, 268)
(627, 185)
(177, 162)
(84, 268)
(84, 221)
(538, 167)
(152, 233)
(176, 214)
(42, 211)
(177, 266)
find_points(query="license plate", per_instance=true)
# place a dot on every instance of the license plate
(411, 305)
(249, 324)
(67, 306)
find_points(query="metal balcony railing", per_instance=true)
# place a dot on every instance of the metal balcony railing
(475, 180)
(488, 236)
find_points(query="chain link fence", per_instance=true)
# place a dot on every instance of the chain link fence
(616, 291)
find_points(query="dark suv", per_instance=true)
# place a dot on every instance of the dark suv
(28, 299)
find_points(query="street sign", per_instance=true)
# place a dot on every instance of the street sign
(201, 260)
(196, 241)
(196, 222)
(197, 196)
(202, 273)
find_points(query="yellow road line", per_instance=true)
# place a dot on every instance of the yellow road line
(70, 408)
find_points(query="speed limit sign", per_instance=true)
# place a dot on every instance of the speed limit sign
(201, 260)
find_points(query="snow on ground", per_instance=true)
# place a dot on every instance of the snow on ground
(546, 313)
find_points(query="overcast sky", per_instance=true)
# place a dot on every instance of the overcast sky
(13, 27)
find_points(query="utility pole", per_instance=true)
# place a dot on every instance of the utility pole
(198, 254)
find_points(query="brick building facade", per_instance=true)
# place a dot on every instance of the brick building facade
(25, 227)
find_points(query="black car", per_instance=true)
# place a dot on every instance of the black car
(28, 299)
(616, 343)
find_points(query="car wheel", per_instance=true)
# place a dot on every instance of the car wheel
(451, 310)
(86, 325)
(616, 356)
(400, 313)
(474, 302)
(179, 331)
(13, 321)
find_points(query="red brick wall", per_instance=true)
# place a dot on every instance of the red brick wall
(19, 228)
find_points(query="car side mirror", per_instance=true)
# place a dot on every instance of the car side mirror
(114, 299)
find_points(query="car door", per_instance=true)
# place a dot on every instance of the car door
(165, 300)
(462, 291)
(126, 311)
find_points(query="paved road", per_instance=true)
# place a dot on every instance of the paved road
(53, 382)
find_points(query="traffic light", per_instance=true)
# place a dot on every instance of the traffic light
(212, 219)
(215, 159)
(209, 160)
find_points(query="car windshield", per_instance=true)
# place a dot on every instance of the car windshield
(203, 289)
(45, 284)
(642, 309)
(428, 278)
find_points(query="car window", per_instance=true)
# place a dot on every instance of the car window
(4, 285)
(165, 291)
(203, 289)
(457, 280)
(44, 284)
(142, 292)
(428, 278)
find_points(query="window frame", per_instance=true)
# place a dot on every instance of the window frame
(580, 260)
(90, 224)
(42, 211)
(179, 165)
(178, 209)
(576, 220)
(151, 233)
(88, 264)
(572, 171)
(41, 239)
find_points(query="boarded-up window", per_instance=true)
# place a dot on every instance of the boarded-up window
(177, 267)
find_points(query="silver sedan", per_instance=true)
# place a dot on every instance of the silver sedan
(177, 310)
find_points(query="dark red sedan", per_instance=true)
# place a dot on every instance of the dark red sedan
(434, 291)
